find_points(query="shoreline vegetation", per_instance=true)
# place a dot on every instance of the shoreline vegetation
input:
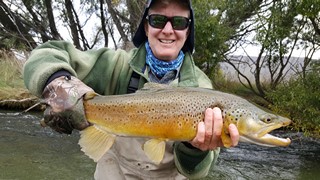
(15, 96)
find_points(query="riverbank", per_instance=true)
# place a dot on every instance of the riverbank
(13, 94)
(17, 99)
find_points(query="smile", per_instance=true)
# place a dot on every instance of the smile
(166, 41)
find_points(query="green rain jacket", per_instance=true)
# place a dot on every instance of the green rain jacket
(108, 72)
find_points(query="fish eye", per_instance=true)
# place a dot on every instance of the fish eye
(266, 118)
(269, 119)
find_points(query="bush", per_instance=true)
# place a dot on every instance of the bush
(299, 98)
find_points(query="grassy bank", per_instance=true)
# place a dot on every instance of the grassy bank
(13, 94)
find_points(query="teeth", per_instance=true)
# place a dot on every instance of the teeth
(166, 41)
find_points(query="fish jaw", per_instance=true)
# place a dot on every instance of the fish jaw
(257, 131)
(266, 140)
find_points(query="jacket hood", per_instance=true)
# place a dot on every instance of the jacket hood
(140, 35)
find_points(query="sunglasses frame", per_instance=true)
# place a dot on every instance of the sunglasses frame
(171, 19)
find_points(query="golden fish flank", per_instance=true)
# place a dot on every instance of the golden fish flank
(163, 113)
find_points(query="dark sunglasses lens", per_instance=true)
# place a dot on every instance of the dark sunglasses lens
(158, 21)
(179, 23)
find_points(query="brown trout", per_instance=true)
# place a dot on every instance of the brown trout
(162, 113)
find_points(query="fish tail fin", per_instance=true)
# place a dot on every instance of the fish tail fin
(95, 142)
(154, 149)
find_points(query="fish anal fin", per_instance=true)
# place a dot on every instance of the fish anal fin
(154, 149)
(95, 142)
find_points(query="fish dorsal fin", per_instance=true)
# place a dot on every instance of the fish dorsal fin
(153, 87)
(95, 142)
(154, 149)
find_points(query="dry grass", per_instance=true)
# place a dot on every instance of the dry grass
(13, 93)
(11, 70)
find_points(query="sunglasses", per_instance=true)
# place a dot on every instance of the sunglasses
(159, 21)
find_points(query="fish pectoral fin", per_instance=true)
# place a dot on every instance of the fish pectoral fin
(154, 149)
(95, 142)
(225, 137)
(90, 95)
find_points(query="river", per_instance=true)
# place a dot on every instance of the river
(28, 151)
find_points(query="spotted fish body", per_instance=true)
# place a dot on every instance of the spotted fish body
(173, 113)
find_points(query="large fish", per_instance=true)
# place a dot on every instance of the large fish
(171, 113)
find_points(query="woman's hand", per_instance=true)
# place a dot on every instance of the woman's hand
(209, 132)
(64, 106)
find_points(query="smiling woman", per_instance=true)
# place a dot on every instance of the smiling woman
(58, 72)
(167, 39)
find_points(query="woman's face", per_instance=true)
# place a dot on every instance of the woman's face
(166, 43)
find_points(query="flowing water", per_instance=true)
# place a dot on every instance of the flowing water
(28, 151)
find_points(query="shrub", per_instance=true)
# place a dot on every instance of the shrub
(300, 99)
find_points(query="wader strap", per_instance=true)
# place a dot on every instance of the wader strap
(134, 83)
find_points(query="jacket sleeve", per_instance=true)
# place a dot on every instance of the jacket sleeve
(104, 70)
(194, 163)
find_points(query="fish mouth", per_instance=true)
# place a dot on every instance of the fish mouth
(267, 140)
(263, 137)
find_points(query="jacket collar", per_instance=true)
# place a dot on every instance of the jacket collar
(187, 72)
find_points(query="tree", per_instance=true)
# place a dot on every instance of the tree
(53, 28)
(216, 25)
(25, 22)
(126, 20)
(280, 30)
(14, 32)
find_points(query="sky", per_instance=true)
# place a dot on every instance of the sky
(254, 51)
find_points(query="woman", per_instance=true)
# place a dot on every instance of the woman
(165, 42)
